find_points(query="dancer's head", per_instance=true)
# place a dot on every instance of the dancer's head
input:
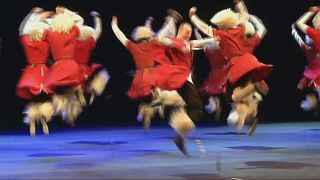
(225, 19)
(184, 31)
(36, 30)
(62, 23)
(86, 32)
(142, 33)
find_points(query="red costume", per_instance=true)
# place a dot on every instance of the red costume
(82, 56)
(314, 34)
(311, 75)
(33, 77)
(149, 74)
(65, 71)
(241, 62)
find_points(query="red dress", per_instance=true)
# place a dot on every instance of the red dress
(31, 82)
(241, 62)
(311, 75)
(314, 34)
(65, 71)
(153, 69)
(215, 84)
(82, 56)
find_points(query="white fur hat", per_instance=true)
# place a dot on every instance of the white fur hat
(141, 32)
(225, 19)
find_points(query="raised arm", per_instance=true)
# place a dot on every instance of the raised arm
(119, 34)
(212, 42)
(197, 33)
(260, 28)
(97, 25)
(301, 22)
(201, 25)
(296, 36)
(76, 17)
(31, 17)
(241, 8)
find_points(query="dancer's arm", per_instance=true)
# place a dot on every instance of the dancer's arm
(213, 43)
(76, 17)
(261, 30)
(301, 22)
(119, 34)
(31, 17)
(296, 36)
(241, 8)
(201, 25)
(97, 25)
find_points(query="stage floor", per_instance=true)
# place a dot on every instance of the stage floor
(275, 151)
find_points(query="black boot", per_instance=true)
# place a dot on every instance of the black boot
(179, 141)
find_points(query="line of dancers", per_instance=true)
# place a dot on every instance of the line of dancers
(163, 67)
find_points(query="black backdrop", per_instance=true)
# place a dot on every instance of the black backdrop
(114, 108)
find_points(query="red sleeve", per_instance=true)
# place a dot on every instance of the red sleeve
(131, 46)
(24, 39)
(92, 42)
(311, 32)
(75, 32)
(45, 35)
(255, 40)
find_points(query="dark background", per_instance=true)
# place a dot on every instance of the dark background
(113, 107)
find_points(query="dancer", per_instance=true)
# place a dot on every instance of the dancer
(31, 84)
(93, 78)
(63, 78)
(244, 67)
(310, 80)
(312, 32)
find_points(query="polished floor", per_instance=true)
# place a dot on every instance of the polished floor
(275, 151)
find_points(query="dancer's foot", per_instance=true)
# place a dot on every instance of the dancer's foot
(179, 141)
(45, 128)
(252, 127)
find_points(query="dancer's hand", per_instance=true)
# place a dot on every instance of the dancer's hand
(192, 11)
(46, 14)
(114, 20)
(150, 18)
(60, 9)
(94, 14)
(236, 1)
(37, 10)
(314, 9)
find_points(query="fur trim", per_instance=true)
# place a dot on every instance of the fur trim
(147, 113)
(180, 122)
(172, 98)
(72, 111)
(46, 110)
(59, 103)
(32, 113)
(141, 32)
(241, 92)
(225, 19)
(99, 82)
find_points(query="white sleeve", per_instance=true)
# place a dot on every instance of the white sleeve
(260, 28)
(301, 22)
(77, 18)
(213, 43)
(97, 28)
(296, 36)
(119, 34)
(26, 24)
(202, 26)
